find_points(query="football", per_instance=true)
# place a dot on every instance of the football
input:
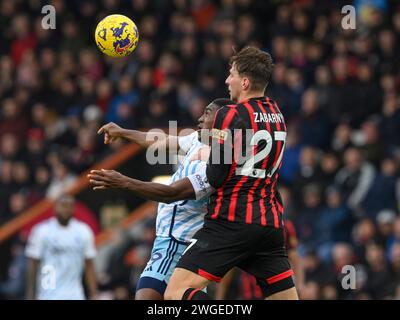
(116, 35)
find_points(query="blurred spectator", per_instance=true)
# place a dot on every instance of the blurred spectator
(370, 142)
(307, 173)
(62, 178)
(315, 126)
(14, 287)
(394, 259)
(122, 106)
(390, 122)
(342, 137)
(395, 237)
(366, 95)
(315, 270)
(13, 120)
(307, 218)
(329, 167)
(290, 163)
(334, 224)
(384, 221)
(380, 281)
(382, 192)
(355, 178)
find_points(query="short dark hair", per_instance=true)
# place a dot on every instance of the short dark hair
(220, 102)
(255, 64)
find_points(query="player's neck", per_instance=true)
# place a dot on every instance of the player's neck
(244, 96)
(63, 222)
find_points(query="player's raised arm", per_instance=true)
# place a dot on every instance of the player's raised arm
(113, 132)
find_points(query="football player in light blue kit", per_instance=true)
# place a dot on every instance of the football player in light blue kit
(183, 202)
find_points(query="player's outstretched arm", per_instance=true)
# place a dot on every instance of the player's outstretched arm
(110, 179)
(113, 132)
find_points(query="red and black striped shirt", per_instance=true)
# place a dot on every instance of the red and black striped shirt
(246, 187)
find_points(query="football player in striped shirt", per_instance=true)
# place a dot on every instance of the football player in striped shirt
(183, 203)
(244, 223)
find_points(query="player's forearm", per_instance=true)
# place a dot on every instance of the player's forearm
(157, 191)
(31, 279)
(90, 277)
(144, 139)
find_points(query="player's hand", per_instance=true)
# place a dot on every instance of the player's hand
(202, 154)
(111, 132)
(106, 179)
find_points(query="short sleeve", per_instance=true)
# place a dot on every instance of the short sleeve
(199, 181)
(89, 246)
(185, 142)
(35, 245)
(226, 121)
(226, 118)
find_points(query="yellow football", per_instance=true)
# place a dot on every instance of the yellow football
(116, 35)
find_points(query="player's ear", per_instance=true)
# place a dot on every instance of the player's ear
(245, 83)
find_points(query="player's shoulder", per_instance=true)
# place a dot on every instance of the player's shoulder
(187, 141)
(77, 224)
(42, 228)
(45, 225)
(226, 109)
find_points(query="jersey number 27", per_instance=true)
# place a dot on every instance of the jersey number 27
(248, 167)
